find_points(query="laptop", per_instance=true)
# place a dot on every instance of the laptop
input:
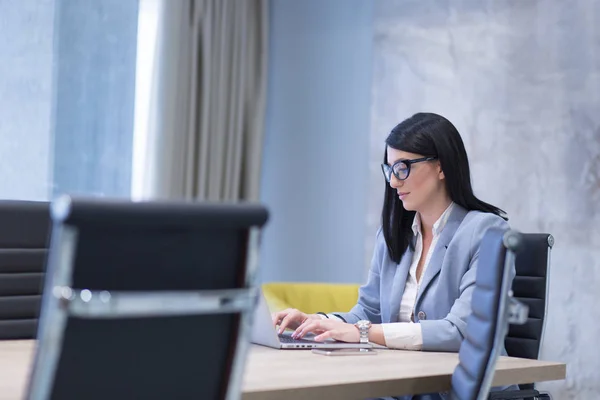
(265, 334)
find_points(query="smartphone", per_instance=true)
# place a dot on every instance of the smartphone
(344, 352)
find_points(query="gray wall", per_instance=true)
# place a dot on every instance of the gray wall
(26, 54)
(316, 144)
(520, 80)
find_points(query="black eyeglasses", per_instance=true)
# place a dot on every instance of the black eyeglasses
(401, 168)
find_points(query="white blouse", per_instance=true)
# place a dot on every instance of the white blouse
(405, 334)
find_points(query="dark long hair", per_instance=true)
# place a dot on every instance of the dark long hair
(428, 134)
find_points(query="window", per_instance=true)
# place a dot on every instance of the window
(67, 97)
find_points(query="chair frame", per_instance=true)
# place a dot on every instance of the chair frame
(548, 265)
(66, 301)
(532, 393)
(510, 310)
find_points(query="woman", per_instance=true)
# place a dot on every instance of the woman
(418, 292)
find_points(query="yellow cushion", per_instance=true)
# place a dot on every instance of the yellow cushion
(310, 297)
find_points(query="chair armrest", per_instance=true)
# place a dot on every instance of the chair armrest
(517, 395)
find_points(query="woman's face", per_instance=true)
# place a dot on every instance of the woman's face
(424, 185)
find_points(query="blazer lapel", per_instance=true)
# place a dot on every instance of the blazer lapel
(435, 263)
(399, 283)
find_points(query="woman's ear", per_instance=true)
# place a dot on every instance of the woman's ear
(440, 171)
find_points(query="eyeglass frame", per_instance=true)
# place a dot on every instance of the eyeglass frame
(388, 176)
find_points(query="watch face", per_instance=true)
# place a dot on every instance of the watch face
(363, 324)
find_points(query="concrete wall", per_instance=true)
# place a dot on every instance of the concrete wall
(26, 51)
(520, 80)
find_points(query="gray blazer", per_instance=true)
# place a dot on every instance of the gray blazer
(444, 299)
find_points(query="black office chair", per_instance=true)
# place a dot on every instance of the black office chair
(146, 300)
(530, 287)
(493, 309)
(24, 234)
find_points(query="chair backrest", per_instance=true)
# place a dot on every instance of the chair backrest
(488, 323)
(530, 287)
(24, 236)
(147, 300)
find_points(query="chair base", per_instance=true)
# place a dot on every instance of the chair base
(518, 395)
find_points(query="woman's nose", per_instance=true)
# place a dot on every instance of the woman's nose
(395, 183)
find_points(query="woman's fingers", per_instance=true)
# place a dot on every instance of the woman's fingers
(327, 329)
(310, 326)
(304, 328)
(301, 327)
(278, 316)
(292, 319)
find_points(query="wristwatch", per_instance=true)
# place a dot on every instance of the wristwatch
(363, 327)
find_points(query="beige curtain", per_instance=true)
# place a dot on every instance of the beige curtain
(207, 102)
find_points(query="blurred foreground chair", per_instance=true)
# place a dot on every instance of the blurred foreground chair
(493, 309)
(24, 235)
(146, 300)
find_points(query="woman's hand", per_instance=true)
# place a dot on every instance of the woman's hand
(291, 318)
(328, 329)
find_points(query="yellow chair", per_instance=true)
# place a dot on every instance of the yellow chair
(310, 297)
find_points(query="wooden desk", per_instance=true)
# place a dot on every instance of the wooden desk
(300, 374)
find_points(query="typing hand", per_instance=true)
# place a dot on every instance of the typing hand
(291, 318)
(328, 329)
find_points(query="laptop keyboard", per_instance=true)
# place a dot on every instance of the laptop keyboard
(289, 339)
